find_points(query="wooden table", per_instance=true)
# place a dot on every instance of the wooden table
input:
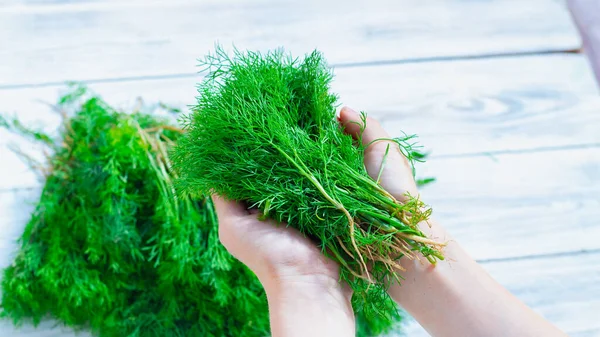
(510, 115)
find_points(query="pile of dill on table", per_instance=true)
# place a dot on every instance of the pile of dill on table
(111, 248)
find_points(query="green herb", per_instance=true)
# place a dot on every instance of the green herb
(425, 181)
(110, 247)
(264, 131)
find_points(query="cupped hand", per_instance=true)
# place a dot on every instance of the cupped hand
(277, 252)
(293, 268)
(302, 285)
(273, 251)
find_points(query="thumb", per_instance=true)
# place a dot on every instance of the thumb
(353, 124)
(396, 175)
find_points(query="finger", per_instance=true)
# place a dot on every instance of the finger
(254, 211)
(232, 222)
(235, 220)
(373, 131)
(228, 208)
(396, 176)
(353, 123)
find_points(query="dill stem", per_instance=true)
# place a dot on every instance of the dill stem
(334, 202)
(422, 239)
(164, 127)
(263, 132)
(391, 221)
(371, 183)
(340, 259)
(387, 150)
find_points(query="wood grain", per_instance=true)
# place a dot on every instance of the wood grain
(563, 289)
(532, 103)
(44, 44)
(515, 205)
(481, 106)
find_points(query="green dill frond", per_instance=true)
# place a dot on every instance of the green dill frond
(110, 246)
(264, 131)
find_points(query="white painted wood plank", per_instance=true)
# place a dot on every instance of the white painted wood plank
(45, 329)
(481, 106)
(455, 107)
(16, 6)
(15, 208)
(563, 289)
(83, 42)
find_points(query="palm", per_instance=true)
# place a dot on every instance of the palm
(270, 248)
(270, 243)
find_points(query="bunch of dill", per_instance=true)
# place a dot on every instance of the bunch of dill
(264, 131)
(110, 247)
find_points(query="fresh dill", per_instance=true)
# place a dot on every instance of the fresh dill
(264, 132)
(110, 248)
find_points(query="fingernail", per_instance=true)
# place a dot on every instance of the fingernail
(350, 111)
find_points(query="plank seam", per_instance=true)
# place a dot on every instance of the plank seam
(490, 154)
(453, 58)
(517, 151)
(432, 59)
(582, 252)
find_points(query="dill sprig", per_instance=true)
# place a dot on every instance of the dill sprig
(109, 245)
(264, 131)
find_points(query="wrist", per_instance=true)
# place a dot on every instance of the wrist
(420, 276)
(300, 271)
(456, 284)
(309, 305)
(288, 283)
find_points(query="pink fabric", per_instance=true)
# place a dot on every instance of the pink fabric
(586, 14)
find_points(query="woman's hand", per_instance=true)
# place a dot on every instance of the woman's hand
(302, 285)
(396, 177)
(456, 297)
(303, 288)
